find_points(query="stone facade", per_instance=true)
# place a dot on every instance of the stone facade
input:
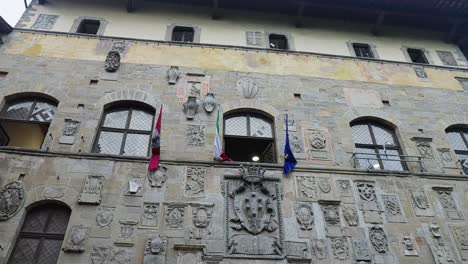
(194, 209)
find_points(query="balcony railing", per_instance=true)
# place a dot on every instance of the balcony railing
(391, 162)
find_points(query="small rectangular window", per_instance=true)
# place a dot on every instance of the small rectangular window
(278, 42)
(89, 26)
(417, 56)
(363, 50)
(254, 38)
(183, 34)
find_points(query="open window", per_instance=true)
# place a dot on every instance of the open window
(183, 34)
(89, 26)
(363, 50)
(377, 146)
(25, 122)
(417, 56)
(249, 136)
(42, 234)
(458, 138)
(125, 130)
(277, 41)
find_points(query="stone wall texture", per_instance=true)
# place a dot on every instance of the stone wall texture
(200, 211)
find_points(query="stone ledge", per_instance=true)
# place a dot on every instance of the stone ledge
(234, 164)
(291, 52)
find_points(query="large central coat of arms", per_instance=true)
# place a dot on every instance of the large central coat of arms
(253, 216)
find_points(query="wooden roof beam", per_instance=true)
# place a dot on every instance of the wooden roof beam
(300, 14)
(216, 12)
(378, 23)
(130, 6)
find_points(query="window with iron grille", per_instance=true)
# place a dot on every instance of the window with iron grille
(183, 34)
(377, 146)
(89, 26)
(25, 122)
(249, 135)
(125, 130)
(417, 56)
(458, 138)
(363, 50)
(278, 41)
(41, 236)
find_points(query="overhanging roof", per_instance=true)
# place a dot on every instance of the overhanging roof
(4, 26)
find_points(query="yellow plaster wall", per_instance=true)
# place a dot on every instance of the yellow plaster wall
(150, 21)
(84, 48)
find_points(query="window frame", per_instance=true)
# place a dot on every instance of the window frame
(461, 130)
(421, 52)
(130, 107)
(248, 114)
(78, 20)
(184, 32)
(85, 22)
(286, 39)
(170, 29)
(356, 45)
(24, 100)
(376, 147)
(43, 235)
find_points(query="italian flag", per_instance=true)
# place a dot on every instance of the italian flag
(218, 152)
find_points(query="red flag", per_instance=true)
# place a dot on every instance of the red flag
(156, 144)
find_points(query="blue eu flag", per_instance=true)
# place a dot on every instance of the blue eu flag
(289, 159)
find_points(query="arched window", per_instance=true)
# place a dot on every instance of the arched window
(125, 130)
(377, 146)
(249, 136)
(25, 122)
(458, 138)
(41, 235)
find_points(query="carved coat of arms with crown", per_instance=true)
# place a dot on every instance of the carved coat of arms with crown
(253, 216)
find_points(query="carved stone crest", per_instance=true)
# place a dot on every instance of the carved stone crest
(324, 184)
(247, 87)
(91, 193)
(134, 186)
(195, 135)
(191, 107)
(420, 203)
(121, 256)
(305, 216)
(253, 214)
(435, 230)
(350, 215)
(76, 242)
(201, 217)
(158, 176)
(45, 21)
(173, 74)
(69, 132)
(12, 198)
(424, 148)
(297, 251)
(209, 103)
(408, 246)
(340, 248)
(378, 239)
(296, 144)
(361, 249)
(317, 139)
(174, 216)
(127, 233)
(195, 85)
(320, 248)
(366, 191)
(112, 61)
(460, 233)
(150, 214)
(331, 213)
(441, 252)
(306, 187)
(448, 203)
(156, 245)
(99, 254)
(105, 216)
(53, 193)
(393, 211)
(195, 181)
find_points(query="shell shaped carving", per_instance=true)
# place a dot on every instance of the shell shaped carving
(248, 87)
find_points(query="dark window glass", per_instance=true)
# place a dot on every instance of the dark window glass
(417, 56)
(458, 138)
(377, 147)
(278, 42)
(41, 236)
(89, 26)
(24, 123)
(183, 34)
(125, 131)
(248, 135)
(363, 50)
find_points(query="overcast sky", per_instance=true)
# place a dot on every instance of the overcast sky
(11, 10)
